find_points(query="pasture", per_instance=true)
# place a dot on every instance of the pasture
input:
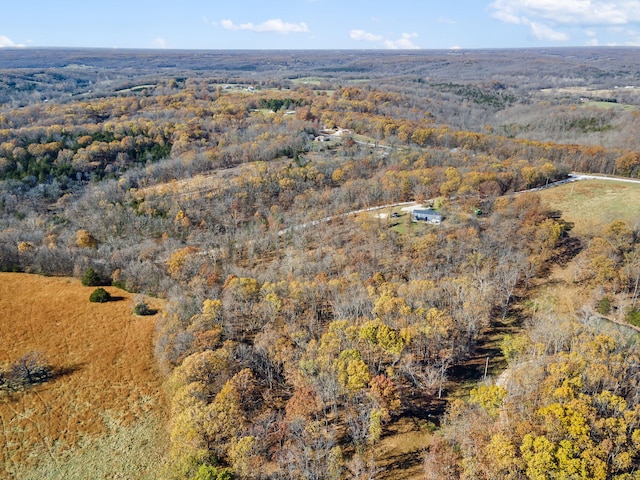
(590, 205)
(100, 416)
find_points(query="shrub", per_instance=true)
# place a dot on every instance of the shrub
(143, 309)
(100, 295)
(91, 278)
(207, 472)
(633, 317)
(604, 306)
(4, 381)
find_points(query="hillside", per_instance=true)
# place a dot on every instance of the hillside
(102, 410)
(301, 339)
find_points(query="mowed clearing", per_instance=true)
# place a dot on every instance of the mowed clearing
(591, 205)
(108, 385)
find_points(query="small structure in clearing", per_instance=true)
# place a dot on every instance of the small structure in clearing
(426, 215)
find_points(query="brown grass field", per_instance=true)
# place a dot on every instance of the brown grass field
(101, 416)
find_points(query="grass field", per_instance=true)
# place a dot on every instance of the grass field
(598, 104)
(591, 204)
(101, 416)
(307, 81)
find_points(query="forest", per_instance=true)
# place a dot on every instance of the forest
(263, 196)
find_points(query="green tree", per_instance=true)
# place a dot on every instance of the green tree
(208, 472)
(91, 278)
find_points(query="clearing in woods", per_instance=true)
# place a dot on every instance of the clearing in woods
(590, 205)
(101, 415)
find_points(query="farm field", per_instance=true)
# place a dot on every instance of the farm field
(101, 413)
(591, 204)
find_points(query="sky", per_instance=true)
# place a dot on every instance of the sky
(318, 24)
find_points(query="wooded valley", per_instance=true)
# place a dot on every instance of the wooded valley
(301, 324)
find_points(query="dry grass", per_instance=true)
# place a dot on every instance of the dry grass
(204, 184)
(108, 387)
(400, 452)
(591, 204)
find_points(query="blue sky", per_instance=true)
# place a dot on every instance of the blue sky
(319, 24)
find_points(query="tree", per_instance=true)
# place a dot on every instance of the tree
(385, 393)
(490, 399)
(91, 278)
(303, 403)
(628, 163)
(240, 457)
(501, 460)
(353, 372)
(208, 472)
(385, 343)
(31, 368)
(177, 265)
(84, 239)
(225, 420)
(441, 462)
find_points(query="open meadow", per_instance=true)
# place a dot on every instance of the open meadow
(101, 411)
(590, 205)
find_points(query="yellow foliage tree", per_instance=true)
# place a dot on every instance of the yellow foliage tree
(178, 260)
(225, 420)
(353, 373)
(241, 459)
(85, 240)
(501, 458)
(24, 247)
(489, 398)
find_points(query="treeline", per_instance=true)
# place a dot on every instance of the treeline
(41, 147)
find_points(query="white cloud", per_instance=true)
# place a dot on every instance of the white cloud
(159, 43)
(362, 35)
(505, 16)
(229, 25)
(403, 43)
(633, 38)
(575, 12)
(272, 26)
(7, 42)
(548, 18)
(543, 32)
